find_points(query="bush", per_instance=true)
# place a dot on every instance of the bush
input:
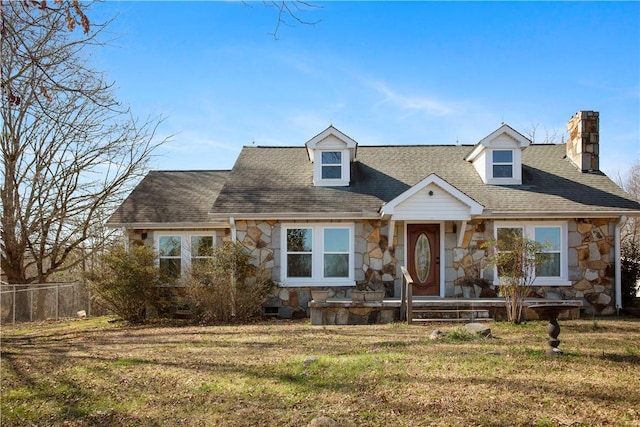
(227, 286)
(630, 272)
(516, 258)
(127, 282)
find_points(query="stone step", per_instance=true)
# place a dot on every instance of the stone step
(450, 313)
(454, 320)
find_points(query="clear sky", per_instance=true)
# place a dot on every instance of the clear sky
(381, 72)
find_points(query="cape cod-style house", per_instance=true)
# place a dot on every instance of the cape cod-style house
(333, 214)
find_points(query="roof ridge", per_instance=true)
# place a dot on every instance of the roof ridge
(190, 170)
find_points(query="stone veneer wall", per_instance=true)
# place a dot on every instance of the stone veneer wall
(591, 263)
(376, 265)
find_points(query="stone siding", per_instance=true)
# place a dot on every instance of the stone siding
(591, 264)
(376, 265)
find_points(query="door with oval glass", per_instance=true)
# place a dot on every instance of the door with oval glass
(423, 258)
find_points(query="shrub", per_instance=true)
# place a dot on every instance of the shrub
(126, 282)
(516, 258)
(630, 272)
(227, 286)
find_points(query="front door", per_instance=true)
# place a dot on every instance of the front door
(423, 258)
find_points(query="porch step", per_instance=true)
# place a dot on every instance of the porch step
(449, 315)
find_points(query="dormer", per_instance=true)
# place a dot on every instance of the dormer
(498, 157)
(331, 153)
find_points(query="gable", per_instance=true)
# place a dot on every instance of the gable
(331, 153)
(331, 139)
(432, 199)
(497, 158)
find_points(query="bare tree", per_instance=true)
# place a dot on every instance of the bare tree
(631, 230)
(290, 11)
(543, 136)
(630, 243)
(70, 150)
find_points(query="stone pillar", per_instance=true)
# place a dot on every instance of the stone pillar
(583, 146)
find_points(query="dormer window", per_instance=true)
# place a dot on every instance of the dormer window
(498, 157)
(331, 165)
(331, 153)
(503, 163)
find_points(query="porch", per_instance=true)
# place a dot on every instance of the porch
(342, 311)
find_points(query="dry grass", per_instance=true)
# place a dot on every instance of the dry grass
(279, 373)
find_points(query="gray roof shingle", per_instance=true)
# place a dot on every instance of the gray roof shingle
(279, 180)
(171, 197)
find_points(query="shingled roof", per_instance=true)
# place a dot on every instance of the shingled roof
(176, 197)
(278, 181)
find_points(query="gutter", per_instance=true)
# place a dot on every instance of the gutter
(169, 225)
(618, 262)
(287, 216)
(547, 214)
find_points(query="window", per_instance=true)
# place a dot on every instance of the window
(502, 163)
(507, 234)
(550, 237)
(201, 249)
(299, 255)
(318, 254)
(178, 251)
(170, 255)
(331, 165)
(554, 271)
(336, 252)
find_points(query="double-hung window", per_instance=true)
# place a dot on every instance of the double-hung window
(553, 236)
(170, 255)
(318, 254)
(502, 163)
(331, 165)
(550, 237)
(178, 252)
(201, 249)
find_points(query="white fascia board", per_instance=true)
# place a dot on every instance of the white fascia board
(286, 216)
(565, 214)
(350, 144)
(523, 141)
(475, 208)
(171, 225)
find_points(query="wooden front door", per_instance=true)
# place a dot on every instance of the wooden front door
(423, 258)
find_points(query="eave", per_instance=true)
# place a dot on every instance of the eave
(298, 215)
(560, 214)
(170, 225)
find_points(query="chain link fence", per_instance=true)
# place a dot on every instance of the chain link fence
(46, 301)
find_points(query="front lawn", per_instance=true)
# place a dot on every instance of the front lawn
(283, 373)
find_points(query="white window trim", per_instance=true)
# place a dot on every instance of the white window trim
(528, 229)
(511, 163)
(516, 167)
(317, 256)
(345, 171)
(185, 245)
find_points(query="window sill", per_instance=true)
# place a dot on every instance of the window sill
(316, 283)
(547, 283)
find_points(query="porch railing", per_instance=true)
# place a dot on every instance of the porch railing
(406, 296)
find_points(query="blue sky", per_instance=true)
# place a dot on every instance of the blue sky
(381, 72)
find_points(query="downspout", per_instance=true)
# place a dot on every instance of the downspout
(618, 262)
(232, 226)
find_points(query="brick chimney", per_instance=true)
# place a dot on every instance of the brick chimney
(583, 146)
